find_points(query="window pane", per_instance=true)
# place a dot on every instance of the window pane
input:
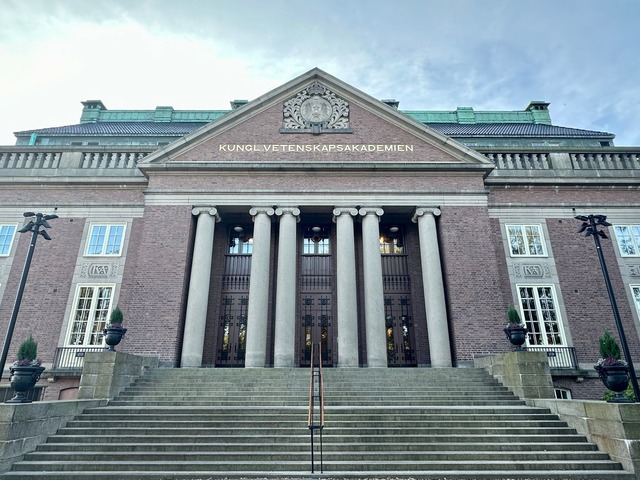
(636, 297)
(625, 240)
(516, 240)
(96, 239)
(534, 240)
(90, 316)
(540, 315)
(106, 240)
(114, 241)
(6, 237)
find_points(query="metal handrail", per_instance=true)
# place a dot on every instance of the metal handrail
(316, 393)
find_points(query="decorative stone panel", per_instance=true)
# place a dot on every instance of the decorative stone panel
(315, 109)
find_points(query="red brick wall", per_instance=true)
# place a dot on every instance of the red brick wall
(584, 290)
(265, 129)
(155, 285)
(46, 292)
(475, 300)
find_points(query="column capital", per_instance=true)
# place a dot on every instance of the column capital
(256, 210)
(295, 211)
(420, 211)
(371, 211)
(337, 211)
(213, 211)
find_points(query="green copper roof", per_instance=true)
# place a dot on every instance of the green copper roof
(95, 111)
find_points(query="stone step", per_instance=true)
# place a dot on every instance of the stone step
(301, 430)
(299, 455)
(223, 447)
(389, 402)
(332, 423)
(394, 411)
(380, 423)
(303, 465)
(365, 439)
(432, 474)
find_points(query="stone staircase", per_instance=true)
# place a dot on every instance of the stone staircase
(446, 423)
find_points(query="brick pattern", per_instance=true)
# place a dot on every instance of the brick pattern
(476, 303)
(44, 301)
(154, 285)
(264, 129)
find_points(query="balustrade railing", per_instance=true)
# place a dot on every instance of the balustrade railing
(520, 160)
(18, 158)
(55, 157)
(559, 357)
(71, 359)
(606, 161)
(504, 158)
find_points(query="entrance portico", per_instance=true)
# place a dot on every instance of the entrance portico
(315, 219)
(312, 294)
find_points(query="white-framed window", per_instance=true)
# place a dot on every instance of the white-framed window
(563, 393)
(105, 239)
(540, 313)
(91, 309)
(526, 241)
(628, 237)
(7, 234)
(635, 293)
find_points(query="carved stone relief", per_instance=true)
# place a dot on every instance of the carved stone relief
(531, 270)
(316, 109)
(634, 270)
(97, 270)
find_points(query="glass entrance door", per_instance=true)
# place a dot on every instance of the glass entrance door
(315, 296)
(400, 343)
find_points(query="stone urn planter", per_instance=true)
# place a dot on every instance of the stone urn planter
(23, 379)
(25, 372)
(114, 332)
(515, 330)
(113, 336)
(613, 372)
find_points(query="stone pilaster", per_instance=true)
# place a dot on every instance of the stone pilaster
(437, 326)
(196, 316)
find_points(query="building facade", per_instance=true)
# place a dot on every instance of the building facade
(317, 214)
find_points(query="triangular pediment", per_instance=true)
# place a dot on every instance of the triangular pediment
(316, 119)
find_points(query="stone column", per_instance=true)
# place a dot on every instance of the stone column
(373, 291)
(347, 305)
(285, 338)
(258, 308)
(437, 327)
(196, 316)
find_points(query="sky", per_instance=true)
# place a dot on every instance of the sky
(582, 56)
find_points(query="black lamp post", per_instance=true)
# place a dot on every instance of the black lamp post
(590, 224)
(31, 226)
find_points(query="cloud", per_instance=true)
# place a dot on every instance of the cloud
(494, 54)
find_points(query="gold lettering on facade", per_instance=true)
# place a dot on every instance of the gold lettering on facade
(329, 148)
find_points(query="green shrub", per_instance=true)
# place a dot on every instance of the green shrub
(116, 318)
(28, 351)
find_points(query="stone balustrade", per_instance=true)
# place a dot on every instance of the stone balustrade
(123, 157)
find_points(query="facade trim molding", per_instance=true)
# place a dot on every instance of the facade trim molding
(315, 198)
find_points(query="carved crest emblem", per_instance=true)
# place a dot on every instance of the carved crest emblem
(316, 109)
